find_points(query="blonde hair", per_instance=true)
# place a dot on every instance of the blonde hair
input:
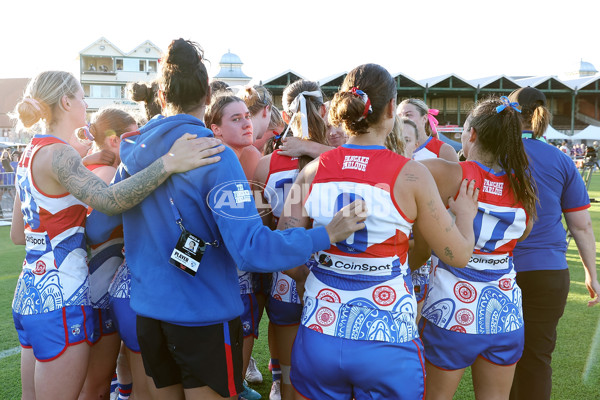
(43, 95)
(276, 119)
(395, 141)
(256, 98)
(423, 109)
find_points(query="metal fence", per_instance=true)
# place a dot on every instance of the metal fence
(7, 194)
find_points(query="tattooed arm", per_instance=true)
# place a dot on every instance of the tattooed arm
(185, 154)
(417, 193)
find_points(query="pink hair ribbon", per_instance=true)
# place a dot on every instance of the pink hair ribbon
(433, 122)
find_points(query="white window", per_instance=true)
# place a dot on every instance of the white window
(104, 92)
(131, 64)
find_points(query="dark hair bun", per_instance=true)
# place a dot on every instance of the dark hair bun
(140, 91)
(347, 109)
(184, 54)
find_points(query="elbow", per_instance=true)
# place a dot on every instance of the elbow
(17, 239)
(459, 260)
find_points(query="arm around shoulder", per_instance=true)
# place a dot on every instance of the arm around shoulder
(452, 242)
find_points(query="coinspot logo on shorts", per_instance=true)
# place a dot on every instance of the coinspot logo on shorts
(228, 199)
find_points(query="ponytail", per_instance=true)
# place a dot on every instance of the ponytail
(499, 133)
(315, 124)
(356, 112)
(540, 120)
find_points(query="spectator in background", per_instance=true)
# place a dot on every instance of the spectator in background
(6, 161)
(540, 260)
(16, 154)
(564, 148)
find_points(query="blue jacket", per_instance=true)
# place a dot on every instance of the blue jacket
(216, 204)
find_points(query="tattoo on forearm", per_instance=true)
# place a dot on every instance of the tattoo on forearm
(448, 253)
(90, 189)
(433, 210)
(291, 222)
(449, 228)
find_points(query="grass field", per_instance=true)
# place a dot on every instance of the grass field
(576, 360)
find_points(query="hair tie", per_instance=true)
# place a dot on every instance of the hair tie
(299, 105)
(363, 96)
(433, 122)
(33, 102)
(506, 103)
(84, 134)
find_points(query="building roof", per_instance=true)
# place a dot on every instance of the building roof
(547, 83)
(231, 73)
(99, 47)
(275, 79)
(581, 83)
(149, 49)
(231, 68)
(490, 81)
(99, 44)
(406, 81)
(587, 67)
(442, 80)
(230, 58)
(332, 80)
(12, 90)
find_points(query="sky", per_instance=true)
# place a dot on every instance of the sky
(315, 38)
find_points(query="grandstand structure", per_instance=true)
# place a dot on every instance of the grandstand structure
(573, 101)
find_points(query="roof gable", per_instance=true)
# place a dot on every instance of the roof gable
(404, 81)
(500, 82)
(147, 49)
(284, 78)
(102, 47)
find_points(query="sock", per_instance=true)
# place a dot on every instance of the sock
(114, 383)
(275, 369)
(125, 391)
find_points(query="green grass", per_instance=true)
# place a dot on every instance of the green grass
(576, 360)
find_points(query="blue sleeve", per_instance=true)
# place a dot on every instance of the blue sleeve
(574, 195)
(99, 226)
(253, 246)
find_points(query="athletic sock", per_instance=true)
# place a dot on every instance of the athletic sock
(124, 391)
(114, 382)
(275, 369)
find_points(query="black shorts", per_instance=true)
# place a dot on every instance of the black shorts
(261, 283)
(194, 356)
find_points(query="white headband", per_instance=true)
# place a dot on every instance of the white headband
(299, 105)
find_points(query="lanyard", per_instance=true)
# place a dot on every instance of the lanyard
(179, 219)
